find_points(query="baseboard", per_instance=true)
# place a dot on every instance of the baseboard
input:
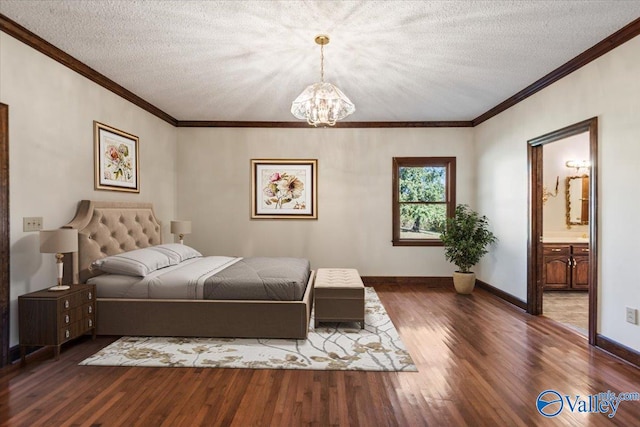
(33, 354)
(623, 352)
(14, 352)
(440, 282)
(502, 295)
(428, 281)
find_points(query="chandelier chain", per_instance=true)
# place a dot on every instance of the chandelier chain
(322, 63)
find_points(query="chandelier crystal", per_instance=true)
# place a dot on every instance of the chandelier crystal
(322, 103)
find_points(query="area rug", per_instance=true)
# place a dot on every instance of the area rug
(333, 346)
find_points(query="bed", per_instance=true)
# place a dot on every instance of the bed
(111, 228)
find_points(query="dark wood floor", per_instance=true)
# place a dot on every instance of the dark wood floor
(481, 362)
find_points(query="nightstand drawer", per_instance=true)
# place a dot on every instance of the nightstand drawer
(74, 330)
(72, 315)
(75, 299)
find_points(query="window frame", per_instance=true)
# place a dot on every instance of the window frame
(449, 163)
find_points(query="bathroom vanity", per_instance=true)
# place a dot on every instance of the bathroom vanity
(565, 266)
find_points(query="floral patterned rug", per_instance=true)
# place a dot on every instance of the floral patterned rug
(337, 346)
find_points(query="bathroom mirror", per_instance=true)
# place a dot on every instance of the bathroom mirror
(577, 192)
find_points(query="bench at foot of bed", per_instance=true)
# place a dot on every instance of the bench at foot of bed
(338, 296)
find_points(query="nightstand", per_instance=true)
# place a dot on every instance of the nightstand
(55, 317)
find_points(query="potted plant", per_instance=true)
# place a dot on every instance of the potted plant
(466, 237)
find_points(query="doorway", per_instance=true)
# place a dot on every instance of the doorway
(582, 270)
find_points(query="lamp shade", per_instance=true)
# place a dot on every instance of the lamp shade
(62, 240)
(180, 227)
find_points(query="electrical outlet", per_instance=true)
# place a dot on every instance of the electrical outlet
(31, 223)
(632, 315)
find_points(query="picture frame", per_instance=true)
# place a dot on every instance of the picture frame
(117, 160)
(284, 188)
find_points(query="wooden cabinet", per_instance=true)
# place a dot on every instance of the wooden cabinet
(566, 266)
(55, 317)
(580, 274)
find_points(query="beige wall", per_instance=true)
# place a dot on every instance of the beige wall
(608, 88)
(554, 160)
(51, 114)
(354, 194)
(51, 155)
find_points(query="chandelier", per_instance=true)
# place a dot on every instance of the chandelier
(322, 103)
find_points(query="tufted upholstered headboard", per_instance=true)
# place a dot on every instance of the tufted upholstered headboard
(109, 228)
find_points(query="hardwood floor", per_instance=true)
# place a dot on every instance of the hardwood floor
(481, 362)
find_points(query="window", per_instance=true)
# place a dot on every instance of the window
(424, 191)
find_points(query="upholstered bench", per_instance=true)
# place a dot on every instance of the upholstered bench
(338, 296)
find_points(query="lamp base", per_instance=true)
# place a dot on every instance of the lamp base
(60, 288)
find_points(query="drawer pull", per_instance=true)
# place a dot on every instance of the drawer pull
(90, 309)
(555, 250)
(585, 250)
(90, 323)
(66, 303)
(90, 295)
(66, 318)
(66, 333)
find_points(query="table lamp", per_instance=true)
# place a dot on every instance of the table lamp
(60, 241)
(181, 228)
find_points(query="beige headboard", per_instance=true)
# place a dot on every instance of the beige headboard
(109, 228)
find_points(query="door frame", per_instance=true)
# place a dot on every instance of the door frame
(534, 245)
(4, 235)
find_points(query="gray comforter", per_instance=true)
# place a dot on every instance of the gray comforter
(214, 277)
(281, 279)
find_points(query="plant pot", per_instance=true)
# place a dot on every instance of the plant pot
(464, 282)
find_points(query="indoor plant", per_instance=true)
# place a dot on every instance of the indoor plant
(465, 238)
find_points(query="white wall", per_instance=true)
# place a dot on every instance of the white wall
(354, 226)
(51, 114)
(608, 88)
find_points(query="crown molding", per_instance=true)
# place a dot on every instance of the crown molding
(237, 124)
(618, 38)
(20, 33)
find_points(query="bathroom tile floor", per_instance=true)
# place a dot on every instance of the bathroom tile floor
(570, 308)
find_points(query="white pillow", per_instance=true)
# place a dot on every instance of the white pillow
(178, 251)
(139, 262)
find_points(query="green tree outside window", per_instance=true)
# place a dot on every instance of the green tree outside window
(423, 199)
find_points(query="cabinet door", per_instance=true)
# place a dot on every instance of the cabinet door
(580, 273)
(556, 272)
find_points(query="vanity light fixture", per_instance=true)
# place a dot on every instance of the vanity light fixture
(322, 103)
(578, 164)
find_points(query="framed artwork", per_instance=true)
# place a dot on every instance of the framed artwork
(117, 164)
(284, 189)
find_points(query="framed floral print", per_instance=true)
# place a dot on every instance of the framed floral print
(284, 189)
(117, 164)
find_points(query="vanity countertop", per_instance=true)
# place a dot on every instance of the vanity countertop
(568, 239)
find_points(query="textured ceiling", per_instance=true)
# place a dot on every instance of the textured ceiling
(396, 60)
